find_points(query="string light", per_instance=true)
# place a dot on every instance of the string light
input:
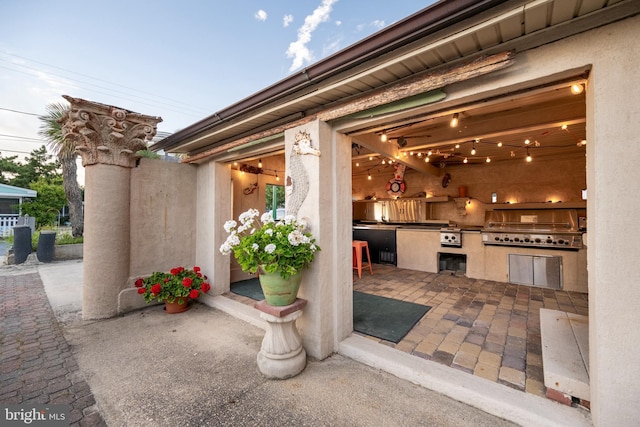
(488, 160)
(369, 175)
(577, 89)
(528, 155)
(277, 177)
(259, 163)
(465, 160)
(527, 142)
(500, 144)
(426, 159)
(357, 164)
(383, 137)
(473, 149)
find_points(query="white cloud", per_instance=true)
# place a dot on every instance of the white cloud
(261, 15)
(298, 50)
(338, 23)
(378, 24)
(288, 19)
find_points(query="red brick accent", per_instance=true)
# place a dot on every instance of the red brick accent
(559, 396)
(283, 311)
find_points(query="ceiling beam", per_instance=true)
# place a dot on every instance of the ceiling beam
(390, 150)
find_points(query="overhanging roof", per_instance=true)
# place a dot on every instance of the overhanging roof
(443, 34)
(9, 191)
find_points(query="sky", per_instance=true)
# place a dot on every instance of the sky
(182, 60)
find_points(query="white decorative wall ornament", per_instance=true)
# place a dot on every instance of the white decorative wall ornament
(297, 182)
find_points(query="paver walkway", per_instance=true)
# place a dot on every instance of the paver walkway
(36, 363)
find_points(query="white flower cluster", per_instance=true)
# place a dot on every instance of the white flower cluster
(296, 238)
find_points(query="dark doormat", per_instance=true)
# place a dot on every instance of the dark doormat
(248, 288)
(385, 318)
(380, 317)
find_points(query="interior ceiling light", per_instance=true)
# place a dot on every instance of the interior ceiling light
(465, 160)
(528, 155)
(564, 127)
(383, 137)
(577, 89)
(454, 120)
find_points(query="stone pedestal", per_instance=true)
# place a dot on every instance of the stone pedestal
(281, 355)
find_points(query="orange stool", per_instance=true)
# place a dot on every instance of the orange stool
(358, 245)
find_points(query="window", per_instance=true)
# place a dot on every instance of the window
(275, 200)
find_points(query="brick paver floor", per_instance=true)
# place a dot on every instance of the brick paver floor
(36, 363)
(485, 328)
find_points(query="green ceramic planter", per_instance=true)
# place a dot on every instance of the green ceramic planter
(278, 291)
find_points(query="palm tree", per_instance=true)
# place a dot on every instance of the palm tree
(51, 130)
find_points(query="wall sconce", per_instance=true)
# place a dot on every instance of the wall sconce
(577, 88)
(454, 120)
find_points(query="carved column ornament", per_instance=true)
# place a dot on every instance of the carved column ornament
(106, 134)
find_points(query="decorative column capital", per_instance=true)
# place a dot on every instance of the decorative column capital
(106, 134)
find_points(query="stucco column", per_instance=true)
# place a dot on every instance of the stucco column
(318, 187)
(107, 138)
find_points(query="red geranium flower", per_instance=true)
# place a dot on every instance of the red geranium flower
(187, 281)
(196, 269)
(156, 288)
(166, 280)
(141, 290)
(206, 287)
(139, 283)
(193, 294)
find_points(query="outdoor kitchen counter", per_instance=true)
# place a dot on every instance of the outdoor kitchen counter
(417, 249)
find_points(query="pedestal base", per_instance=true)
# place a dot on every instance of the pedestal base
(281, 355)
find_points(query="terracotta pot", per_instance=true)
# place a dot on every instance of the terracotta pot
(179, 305)
(278, 291)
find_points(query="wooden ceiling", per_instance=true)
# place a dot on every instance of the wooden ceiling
(551, 120)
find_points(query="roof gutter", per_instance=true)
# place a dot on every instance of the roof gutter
(425, 22)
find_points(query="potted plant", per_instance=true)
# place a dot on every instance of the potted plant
(174, 288)
(277, 251)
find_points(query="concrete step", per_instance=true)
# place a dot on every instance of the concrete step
(565, 352)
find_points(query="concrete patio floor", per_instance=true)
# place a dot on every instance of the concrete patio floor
(484, 328)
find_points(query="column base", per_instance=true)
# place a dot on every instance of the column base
(281, 355)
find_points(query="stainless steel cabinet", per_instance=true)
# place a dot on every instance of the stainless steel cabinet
(536, 270)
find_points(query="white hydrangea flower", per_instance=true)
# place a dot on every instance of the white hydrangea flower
(244, 227)
(266, 218)
(255, 246)
(230, 225)
(225, 248)
(269, 232)
(270, 248)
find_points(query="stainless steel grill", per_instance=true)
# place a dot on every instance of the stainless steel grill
(545, 229)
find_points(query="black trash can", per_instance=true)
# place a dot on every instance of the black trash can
(46, 246)
(21, 243)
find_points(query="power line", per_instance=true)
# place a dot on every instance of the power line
(21, 112)
(191, 108)
(25, 138)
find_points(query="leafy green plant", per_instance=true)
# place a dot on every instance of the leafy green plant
(178, 283)
(269, 246)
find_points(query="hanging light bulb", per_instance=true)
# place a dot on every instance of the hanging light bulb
(384, 162)
(357, 164)
(368, 175)
(370, 157)
(429, 153)
(457, 145)
(473, 149)
(500, 144)
(259, 163)
(488, 160)
(564, 127)
(419, 154)
(426, 159)
(411, 153)
(383, 137)
(465, 160)
(528, 156)
(527, 142)
(454, 120)
(277, 177)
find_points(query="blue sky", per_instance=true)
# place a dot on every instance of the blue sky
(181, 60)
